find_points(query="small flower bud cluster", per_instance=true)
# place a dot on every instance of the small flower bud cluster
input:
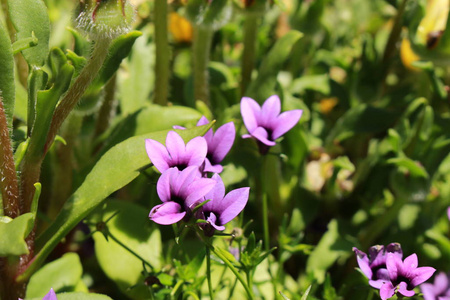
(184, 187)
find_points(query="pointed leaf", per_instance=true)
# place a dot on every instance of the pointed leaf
(7, 89)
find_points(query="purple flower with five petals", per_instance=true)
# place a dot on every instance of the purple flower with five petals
(219, 144)
(222, 208)
(439, 290)
(404, 276)
(176, 153)
(374, 265)
(180, 192)
(265, 123)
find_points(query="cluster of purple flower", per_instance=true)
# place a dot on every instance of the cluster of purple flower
(387, 272)
(185, 184)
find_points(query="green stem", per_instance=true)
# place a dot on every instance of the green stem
(390, 48)
(201, 49)
(107, 109)
(233, 269)
(77, 89)
(8, 178)
(129, 250)
(265, 212)
(248, 55)
(162, 53)
(208, 272)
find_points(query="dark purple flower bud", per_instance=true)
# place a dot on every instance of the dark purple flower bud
(404, 276)
(374, 265)
(180, 192)
(176, 153)
(222, 208)
(266, 124)
(439, 290)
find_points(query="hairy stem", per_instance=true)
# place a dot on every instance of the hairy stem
(201, 48)
(107, 110)
(8, 177)
(162, 55)
(248, 56)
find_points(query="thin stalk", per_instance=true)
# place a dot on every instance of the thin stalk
(248, 55)
(208, 272)
(235, 272)
(201, 51)
(8, 178)
(390, 48)
(107, 109)
(162, 53)
(129, 250)
(265, 211)
(77, 89)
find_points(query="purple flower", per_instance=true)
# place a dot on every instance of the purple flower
(219, 144)
(439, 290)
(222, 208)
(448, 212)
(180, 192)
(50, 296)
(374, 265)
(265, 123)
(176, 153)
(404, 276)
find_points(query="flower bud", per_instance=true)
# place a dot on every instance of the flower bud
(104, 18)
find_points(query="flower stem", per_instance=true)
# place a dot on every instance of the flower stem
(8, 178)
(77, 89)
(248, 55)
(162, 55)
(129, 250)
(233, 269)
(208, 272)
(201, 48)
(107, 109)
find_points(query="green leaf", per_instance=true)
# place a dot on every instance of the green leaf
(25, 43)
(36, 82)
(77, 296)
(263, 86)
(305, 295)
(118, 167)
(331, 246)
(62, 274)
(7, 89)
(13, 233)
(30, 16)
(414, 167)
(119, 264)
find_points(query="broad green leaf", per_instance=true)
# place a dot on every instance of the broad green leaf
(414, 167)
(119, 264)
(331, 246)
(263, 86)
(136, 83)
(13, 233)
(118, 167)
(7, 90)
(62, 274)
(319, 83)
(77, 296)
(28, 17)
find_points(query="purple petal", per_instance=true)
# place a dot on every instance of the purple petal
(429, 291)
(376, 283)
(197, 190)
(178, 127)
(441, 283)
(270, 110)
(377, 256)
(233, 203)
(50, 296)
(158, 154)
(247, 136)
(181, 181)
(176, 147)
(403, 289)
(396, 249)
(221, 142)
(261, 135)
(250, 111)
(410, 263)
(387, 290)
(196, 150)
(164, 183)
(363, 262)
(394, 265)
(285, 122)
(212, 168)
(448, 212)
(203, 121)
(421, 275)
(167, 213)
(216, 194)
(212, 219)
